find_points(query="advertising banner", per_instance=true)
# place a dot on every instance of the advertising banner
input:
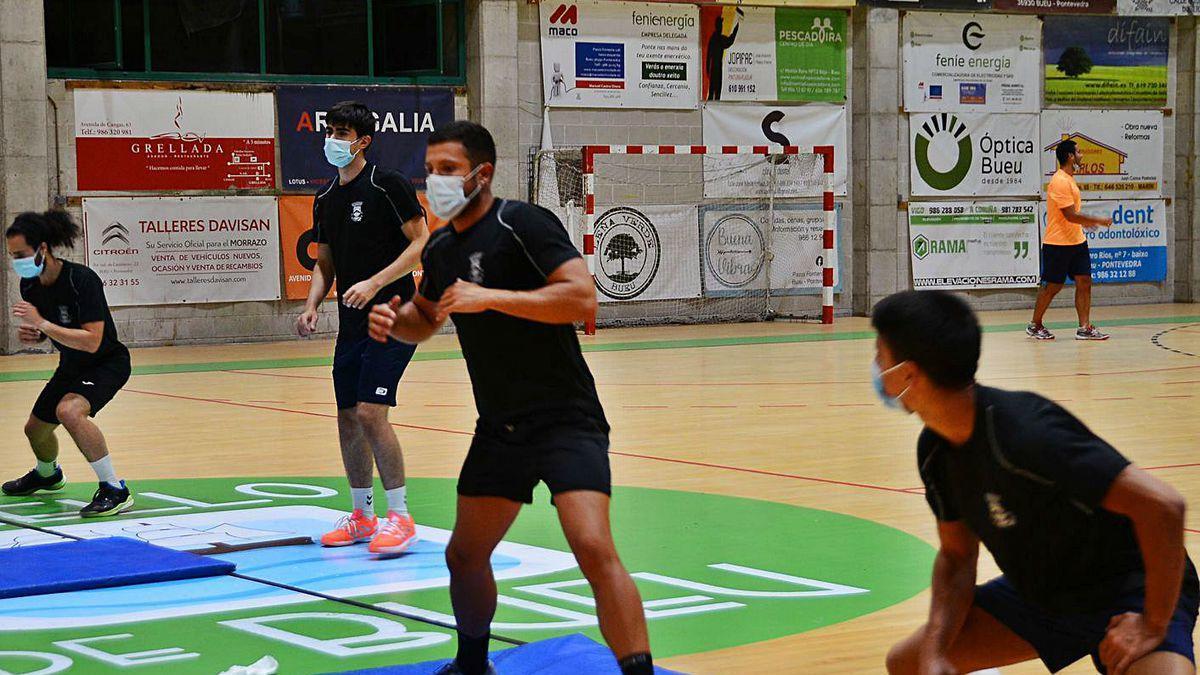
(974, 155)
(965, 245)
(172, 250)
(978, 62)
(1055, 6)
(1094, 61)
(1134, 249)
(146, 140)
(735, 238)
(780, 54)
(620, 54)
(647, 253)
(1122, 150)
(404, 119)
(804, 126)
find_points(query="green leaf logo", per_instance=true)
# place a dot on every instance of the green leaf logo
(943, 123)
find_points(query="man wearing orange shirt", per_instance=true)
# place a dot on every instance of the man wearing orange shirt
(1064, 248)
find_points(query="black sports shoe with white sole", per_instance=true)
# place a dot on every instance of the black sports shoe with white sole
(34, 482)
(108, 501)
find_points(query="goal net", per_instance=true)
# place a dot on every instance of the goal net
(697, 234)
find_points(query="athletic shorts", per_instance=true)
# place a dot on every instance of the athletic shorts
(366, 371)
(567, 451)
(97, 383)
(1062, 639)
(1060, 262)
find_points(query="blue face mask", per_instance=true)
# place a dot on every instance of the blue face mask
(29, 268)
(337, 152)
(892, 402)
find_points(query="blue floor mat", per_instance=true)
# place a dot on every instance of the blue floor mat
(568, 655)
(97, 563)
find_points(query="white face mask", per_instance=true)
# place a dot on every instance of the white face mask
(446, 196)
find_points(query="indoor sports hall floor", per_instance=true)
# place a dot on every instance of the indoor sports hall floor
(770, 507)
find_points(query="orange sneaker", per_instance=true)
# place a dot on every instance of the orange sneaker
(351, 529)
(395, 535)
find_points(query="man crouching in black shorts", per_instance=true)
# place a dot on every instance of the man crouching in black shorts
(513, 283)
(65, 301)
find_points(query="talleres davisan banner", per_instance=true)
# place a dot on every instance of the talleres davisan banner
(773, 54)
(620, 55)
(1122, 150)
(971, 62)
(1134, 249)
(963, 245)
(963, 154)
(171, 250)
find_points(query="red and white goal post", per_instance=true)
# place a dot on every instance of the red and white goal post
(591, 152)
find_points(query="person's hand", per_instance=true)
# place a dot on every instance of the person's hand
(306, 323)
(382, 319)
(28, 314)
(360, 294)
(463, 297)
(1106, 222)
(29, 335)
(1128, 639)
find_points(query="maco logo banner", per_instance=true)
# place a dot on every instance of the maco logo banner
(404, 119)
(778, 54)
(964, 245)
(1134, 249)
(963, 154)
(620, 55)
(1122, 150)
(976, 62)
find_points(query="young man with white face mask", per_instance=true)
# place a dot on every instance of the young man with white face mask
(508, 276)
(1090, 546)
(64, 301)
(369, 229)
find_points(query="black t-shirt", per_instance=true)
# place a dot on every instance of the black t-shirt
(75, 298)
(362, 222)
(518, 367)
(1029, 483)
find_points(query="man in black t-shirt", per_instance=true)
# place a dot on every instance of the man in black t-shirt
(369, 229)
(506, 273)
(65, 302)
(1090, 546)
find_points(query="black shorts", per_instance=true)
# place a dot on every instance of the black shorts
(566, 451)
(97, 383)
(1063, 639)
(366, 371)
(1059, 262)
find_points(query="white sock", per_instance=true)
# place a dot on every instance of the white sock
(398, 500)
(105, 471)
(364, 500)
(46, 469)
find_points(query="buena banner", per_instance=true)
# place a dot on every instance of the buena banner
(974, 155)
(172, 250)
(1122, 150)
(620, 54)
(144, 140)
(404, 119)
(972, 62)
(735, 240)
(966, 245)
(1134, 249)
(779, 54)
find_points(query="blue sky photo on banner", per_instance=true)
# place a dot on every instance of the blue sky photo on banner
(406, 117)
(1106, 61)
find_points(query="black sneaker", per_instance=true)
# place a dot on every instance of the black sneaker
(33, 482)
(108, 501)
